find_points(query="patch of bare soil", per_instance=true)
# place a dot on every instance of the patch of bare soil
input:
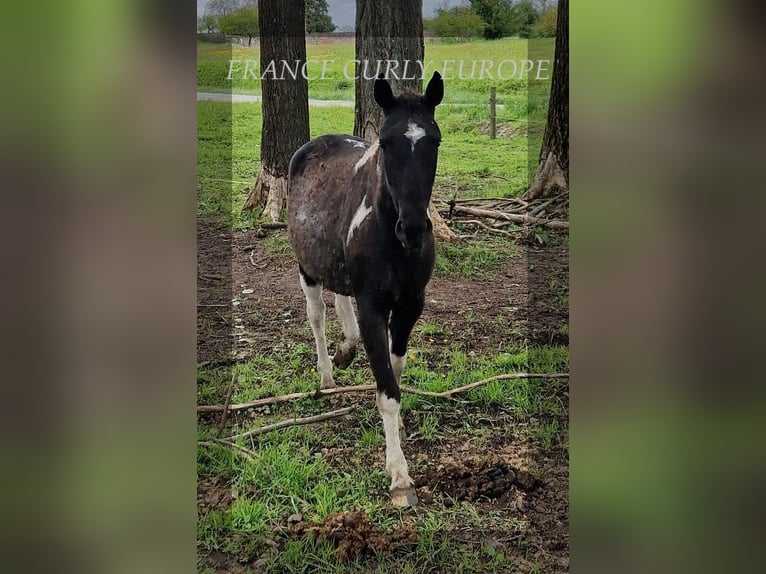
(353, 534)
(525, 299)
(213, 493)
(214, 280)
(501, 481)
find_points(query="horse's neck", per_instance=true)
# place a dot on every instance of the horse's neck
(382, 202)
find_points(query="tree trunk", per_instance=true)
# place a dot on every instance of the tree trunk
(389, 38)
(285, 101)
(552, 174)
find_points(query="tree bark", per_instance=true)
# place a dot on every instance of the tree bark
(389, 38)
(285, 101)
(552, 174)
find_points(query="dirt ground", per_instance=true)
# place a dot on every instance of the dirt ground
(269, 304)
(527, 294)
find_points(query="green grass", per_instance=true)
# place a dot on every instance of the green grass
(476, 259)
(290, 475)
(468, 84)
(471, 164)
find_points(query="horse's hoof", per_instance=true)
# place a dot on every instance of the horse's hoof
(342, 360)
(327, 384)
(404, 497)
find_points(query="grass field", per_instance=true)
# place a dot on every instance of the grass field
(471, 164)
(473, 328)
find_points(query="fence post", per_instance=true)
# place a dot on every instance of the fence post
(492, 113)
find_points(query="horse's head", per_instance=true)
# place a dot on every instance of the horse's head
(409, 142)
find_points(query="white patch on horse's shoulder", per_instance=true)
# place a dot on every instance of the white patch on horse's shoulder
(361, 214)
(356, 143)
(414, 133)
(368, 155)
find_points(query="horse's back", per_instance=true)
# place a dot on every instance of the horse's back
(319, 188)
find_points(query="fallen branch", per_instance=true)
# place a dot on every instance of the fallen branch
(219, 441)
(487, 227)
(537, 210)
(273, 225)
(294, 422)
(365, 388)
(516, 218)
(477, 384)
(226, 410)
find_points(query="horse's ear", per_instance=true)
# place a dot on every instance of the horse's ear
(383, 93)
(434, 91)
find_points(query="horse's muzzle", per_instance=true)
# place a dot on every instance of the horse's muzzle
(412, 234)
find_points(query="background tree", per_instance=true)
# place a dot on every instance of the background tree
(207, 23)
(545, 27)
(390, 30)
(525, 16)
(317, 18)
(552, 174)
(497, 16)
(285, 101)
(218, 8)
(455, 22)
(242, 22)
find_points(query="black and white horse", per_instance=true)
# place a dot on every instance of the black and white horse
(358, 222)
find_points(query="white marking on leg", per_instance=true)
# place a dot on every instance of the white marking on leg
(315, 309)
(414, 133)
(397, 364)
(345, 309)
(396, 464)
(371, 152)
(361, 214)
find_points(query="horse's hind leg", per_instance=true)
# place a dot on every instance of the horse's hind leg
(315, 308)
(347, 347)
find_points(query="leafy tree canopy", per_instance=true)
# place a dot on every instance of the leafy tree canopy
(241, 22)
(545, 27)
(317, 18)
(497, 16)
(456, 22)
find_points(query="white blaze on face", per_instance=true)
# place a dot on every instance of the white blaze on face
(368, 155)
(414, 133)
(361, 214)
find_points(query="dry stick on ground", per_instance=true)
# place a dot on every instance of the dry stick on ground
(218, 441)
(294, 422)
(487, 227)
(365, 388)
(511, 217)
(542, 206)
(226, 411)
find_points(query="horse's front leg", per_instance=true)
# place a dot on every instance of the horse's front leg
(374, 330)
(404, 315)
